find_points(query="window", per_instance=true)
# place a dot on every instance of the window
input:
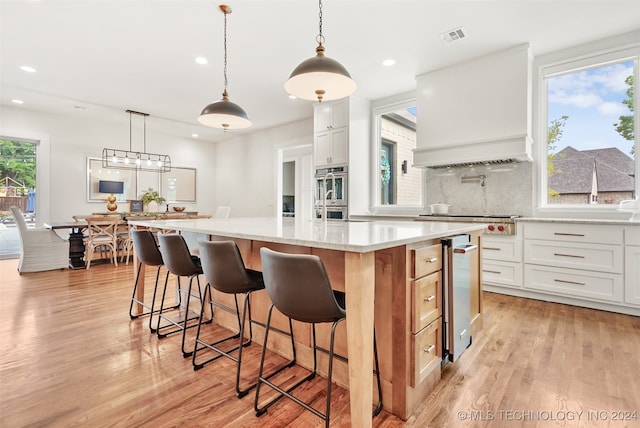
(397, 186)
(590, 138)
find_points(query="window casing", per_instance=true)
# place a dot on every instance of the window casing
(588, 173)
(397, 187)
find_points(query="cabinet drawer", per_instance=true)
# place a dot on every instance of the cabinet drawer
(596, 234)
(607, 258)
(426, 260)
(502, 273)
(426, 347)
(509, 249)
(426, 296)
(570, 282)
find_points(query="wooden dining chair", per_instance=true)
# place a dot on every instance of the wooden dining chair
(102, 234)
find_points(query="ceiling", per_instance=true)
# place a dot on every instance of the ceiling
(102, 57)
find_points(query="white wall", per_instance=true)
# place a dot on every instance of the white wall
(74, 138)
(246, 168)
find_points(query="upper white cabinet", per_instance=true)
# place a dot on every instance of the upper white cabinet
(331, 115)
(331, 136)
(475, 111)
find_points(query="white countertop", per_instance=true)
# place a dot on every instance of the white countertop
(354, 236)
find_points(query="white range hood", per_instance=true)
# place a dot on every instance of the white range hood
(506, 150)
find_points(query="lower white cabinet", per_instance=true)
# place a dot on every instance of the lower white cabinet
(632, 265)
(502, 261)
(576, 262)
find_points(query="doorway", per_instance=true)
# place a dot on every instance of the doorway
(17, 188)
(295, 184)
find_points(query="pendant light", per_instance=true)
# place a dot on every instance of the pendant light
(320, 78)
(224, 114)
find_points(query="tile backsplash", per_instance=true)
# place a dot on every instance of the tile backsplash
(507, 189)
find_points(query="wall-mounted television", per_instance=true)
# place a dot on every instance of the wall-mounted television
(112, 187)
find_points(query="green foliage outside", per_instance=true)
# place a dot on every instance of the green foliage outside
(18, 162)
(554, 133)
(624, 127)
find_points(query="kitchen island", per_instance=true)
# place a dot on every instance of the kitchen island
(371, 261)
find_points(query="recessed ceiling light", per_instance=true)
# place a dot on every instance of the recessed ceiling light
(292, 97)
(17, 101)
(201, 60)
(194, 135)
(80, 107)
(388, 62)
(27, 69)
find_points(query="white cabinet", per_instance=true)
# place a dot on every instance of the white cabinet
(579, 261)
(331, 115)
(502, 261)
(632, 265)
(331, 136)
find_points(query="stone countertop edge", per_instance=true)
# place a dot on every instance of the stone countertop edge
(577, 221)
(357, 237)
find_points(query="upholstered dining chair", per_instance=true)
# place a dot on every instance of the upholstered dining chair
(222, 212)
(40, 248)
(299, 288)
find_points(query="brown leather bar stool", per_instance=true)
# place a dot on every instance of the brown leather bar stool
(225, 272)
(299, 287)
(179, 262)
(146, 248)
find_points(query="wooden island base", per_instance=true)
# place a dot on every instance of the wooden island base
(404, 386)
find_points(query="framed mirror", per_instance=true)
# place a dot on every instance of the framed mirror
(179, 185)
(133, 182)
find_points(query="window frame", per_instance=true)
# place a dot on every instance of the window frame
(563, 63)
(379, 108)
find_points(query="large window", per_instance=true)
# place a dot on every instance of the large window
(397, 185)
(590, 136)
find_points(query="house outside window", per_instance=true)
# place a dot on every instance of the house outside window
(590, 143)
(397, 186)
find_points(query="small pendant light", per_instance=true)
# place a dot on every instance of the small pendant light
(224, 114)
(320, 78)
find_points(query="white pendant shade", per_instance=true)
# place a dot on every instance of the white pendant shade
(320, 79)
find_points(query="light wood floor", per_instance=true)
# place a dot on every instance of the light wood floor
(70, 356)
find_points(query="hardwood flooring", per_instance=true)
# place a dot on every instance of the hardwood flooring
(71, 357)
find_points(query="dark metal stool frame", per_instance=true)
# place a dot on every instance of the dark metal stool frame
(179, 262)
(146, 249)
(225, 271)
(291, 267)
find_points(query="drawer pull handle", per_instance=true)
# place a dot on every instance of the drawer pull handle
(491, 248)
(567, 234)
(568, 255)
(564, 281)
(462, 333)
(429, 349)
(431, 260)
(428, 299)
(491, 271)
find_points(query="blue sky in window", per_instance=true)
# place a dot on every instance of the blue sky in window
(593, 101)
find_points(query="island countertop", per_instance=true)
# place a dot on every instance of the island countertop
(353, 236)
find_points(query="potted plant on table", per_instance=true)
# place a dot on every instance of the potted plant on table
(151, 200)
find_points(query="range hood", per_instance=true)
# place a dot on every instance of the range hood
(494, 151)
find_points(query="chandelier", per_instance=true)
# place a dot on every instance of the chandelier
(129, 159)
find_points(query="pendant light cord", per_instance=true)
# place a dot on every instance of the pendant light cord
(320, 37)
(130, 125)
(225, 54)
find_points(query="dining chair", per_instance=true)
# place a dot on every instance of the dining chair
(102, 235)
(222, 212)
(299, 288)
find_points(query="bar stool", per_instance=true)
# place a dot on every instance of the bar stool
(225, 272)
(299, 287)
(179, 262)
(146, 248)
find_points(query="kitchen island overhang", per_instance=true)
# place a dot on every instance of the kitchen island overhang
(373, 262)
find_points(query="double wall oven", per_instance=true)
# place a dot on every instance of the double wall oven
(331, 193)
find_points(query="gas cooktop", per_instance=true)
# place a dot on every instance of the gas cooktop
(481, 216)
(497, 224)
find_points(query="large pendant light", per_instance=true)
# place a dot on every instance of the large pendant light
(320, 78)
(224, 114)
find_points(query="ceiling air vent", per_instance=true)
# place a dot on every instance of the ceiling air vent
(453, 35)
